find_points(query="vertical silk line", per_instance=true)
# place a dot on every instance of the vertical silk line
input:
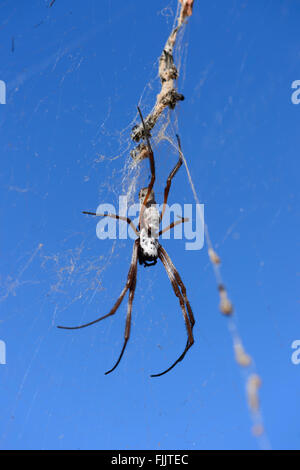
(252, 380)
(244, 360)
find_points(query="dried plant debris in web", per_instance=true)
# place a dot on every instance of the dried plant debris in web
(168, 96)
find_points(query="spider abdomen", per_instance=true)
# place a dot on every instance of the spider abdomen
(148, 250)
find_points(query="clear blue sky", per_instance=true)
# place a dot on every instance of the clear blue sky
(74, 79)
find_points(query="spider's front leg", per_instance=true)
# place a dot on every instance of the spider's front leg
(170, 177)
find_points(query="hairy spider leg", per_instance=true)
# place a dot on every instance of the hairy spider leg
(130, 280)
(188, 318)
(128, 318)
(115, 216)
(173, 224)
(170, 177)
(152, 168)
(181, 285)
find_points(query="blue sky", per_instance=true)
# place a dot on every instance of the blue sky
(74, 79)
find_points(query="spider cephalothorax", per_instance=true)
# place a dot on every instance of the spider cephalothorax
(147, 250)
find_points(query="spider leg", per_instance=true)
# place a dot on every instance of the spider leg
(115, 216)
(181, 285)
(173, 224)
(128, 320)
(152, 167)
(189, 324)
(170, 177)
(130, 280)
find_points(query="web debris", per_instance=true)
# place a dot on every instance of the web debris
(12, 285)
(168, 74)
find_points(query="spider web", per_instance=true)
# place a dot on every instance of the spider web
(71, 106)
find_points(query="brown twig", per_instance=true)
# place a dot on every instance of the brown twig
(168, 74)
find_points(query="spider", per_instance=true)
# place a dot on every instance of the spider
(147, 250)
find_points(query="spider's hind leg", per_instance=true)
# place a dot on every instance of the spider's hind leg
(130, 284)
(180, 284)
(129, 308)
(177, 284)
(127, 325)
